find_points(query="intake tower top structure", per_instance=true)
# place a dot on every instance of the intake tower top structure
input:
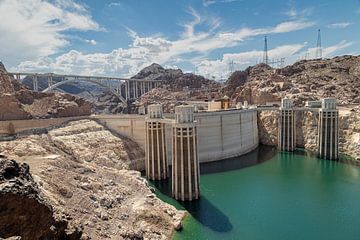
(328, 103)
(286, 103)
(155, 111)
(184, 114)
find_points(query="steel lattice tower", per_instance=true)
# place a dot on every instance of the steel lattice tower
(265, 58)
(318, 46)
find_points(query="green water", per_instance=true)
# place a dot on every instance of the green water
(273, 195)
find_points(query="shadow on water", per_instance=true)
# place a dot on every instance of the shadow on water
(330, 163)
(202, 210)
(259, 155)
(208, 215)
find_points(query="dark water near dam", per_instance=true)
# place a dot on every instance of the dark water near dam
(273, 195)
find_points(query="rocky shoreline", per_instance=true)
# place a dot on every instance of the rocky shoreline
(84, 175)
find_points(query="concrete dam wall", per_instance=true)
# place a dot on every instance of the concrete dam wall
(221, 134)
(226, 134)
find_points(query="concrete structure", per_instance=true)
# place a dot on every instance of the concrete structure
(214, 106)
(328, 131)
(286, 129)
(219, 104)
(125, 89)
(18, 126)
(155, 144)
(245, 105)
(313, 104)
(185, 161)
(142, 110)
(128, 125)
(221, 134)
(225, 102)
(226, 134)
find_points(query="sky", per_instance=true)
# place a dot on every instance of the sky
(207, 37)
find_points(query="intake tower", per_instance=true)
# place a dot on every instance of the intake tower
(155, 159)
(185, 161)
(286, 134)
(328, 132)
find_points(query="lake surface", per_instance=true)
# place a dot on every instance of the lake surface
(273, 195)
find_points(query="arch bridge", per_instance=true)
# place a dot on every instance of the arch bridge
(125, 89)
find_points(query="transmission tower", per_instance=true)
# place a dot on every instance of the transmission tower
(266, 57)
(231, 66)
(318, 46)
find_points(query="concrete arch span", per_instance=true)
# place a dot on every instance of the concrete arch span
(112, 90)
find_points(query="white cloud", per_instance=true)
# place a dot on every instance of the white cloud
(327, 52)
(220, 67)
(146, 50)
(91, 41)
(207, 3)
(340, 25)
(32, 29)
(331, 50)
(114, 4)
(293, 13)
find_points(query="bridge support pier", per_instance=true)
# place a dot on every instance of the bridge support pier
(136, 89)
(142, 88)
(287, 131)
(185, 161)
(328, 131)
(35, 83)
(50, 81)
(155, 144)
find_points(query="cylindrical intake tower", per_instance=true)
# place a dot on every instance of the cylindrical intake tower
(155, 145)
(328, 131)
(185, 161)
(286, 135)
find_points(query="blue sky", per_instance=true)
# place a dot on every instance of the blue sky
(119, 37)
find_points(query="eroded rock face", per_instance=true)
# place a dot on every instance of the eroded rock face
(17, 102)
(306, 131)
(303, 81)
(175, 79)
(178, 87)
(24, 212)
(86, 174)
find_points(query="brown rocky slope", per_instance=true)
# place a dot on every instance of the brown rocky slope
(22, 205)
(17, 102)
(85, 174)
(304, 80)
(177, 88)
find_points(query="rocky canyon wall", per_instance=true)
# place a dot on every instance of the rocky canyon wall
(17, 102)
(306, 131)
(85, 176)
